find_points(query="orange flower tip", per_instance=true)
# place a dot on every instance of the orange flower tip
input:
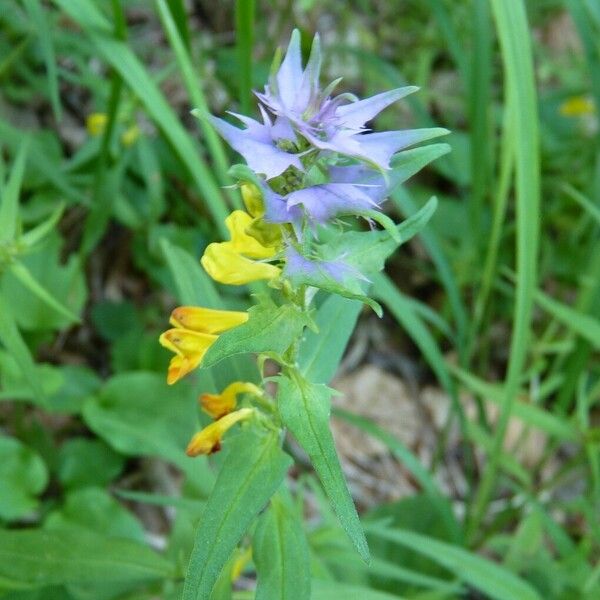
(193, 451)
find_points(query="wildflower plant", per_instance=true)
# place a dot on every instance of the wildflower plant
(313, 184)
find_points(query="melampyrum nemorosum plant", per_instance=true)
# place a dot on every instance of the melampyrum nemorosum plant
(312, 171)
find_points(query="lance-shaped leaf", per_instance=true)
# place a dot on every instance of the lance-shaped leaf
(268, 329)
(9, 205)
(22, 273)
(367, 251)
(321, 352)
(349, 259)
(251, 472)
(304, 408)
(13, 341)
(280, 552)
(37, 558)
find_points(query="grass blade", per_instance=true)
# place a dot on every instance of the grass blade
(45, 35)
(191, 80)
(124, 61)
(513, 31)
(9, 207)
(492, 579)
(244, 38)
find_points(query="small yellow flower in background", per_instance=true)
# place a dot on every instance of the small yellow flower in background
(241, 560)
(225, 265)
(218, 405)
(130, 135)
(577, 106)
(208, 440)
(194, 332)
(252, 199)
(95, 123)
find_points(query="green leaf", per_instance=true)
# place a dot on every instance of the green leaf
(491, 579)
(39, 232)
(121, 57)
(22, 273)
(584, 325)
(365, 253)
(251, 472)
(409, 162)
(9, 206)
(11, 338)
(280, 552)
(268, 329)
(321, 352)
(528, 413)
(193, 285)
(138, 414)
(368, 251)
(53, 283)
(39, 558)
(77, 454)
(305, 408)
(333, 590)
(95, 510)
(23, 475)
(45, 35)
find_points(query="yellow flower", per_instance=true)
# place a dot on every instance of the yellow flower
(194, 332)
(206, 320)
(253, 199)
(577, 106)
(208, 440)
(218, 405)
(237, 223)
(225, 265)
(230, 262)
(189, 347)
(95, 123)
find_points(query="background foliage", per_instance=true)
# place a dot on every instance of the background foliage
(110, 190)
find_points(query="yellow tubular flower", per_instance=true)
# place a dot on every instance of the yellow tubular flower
(208, 440)
(218, 405)
(237, 223)
(194, 332)
(225, 265)
(252, 199)
(206, 320)
(189, 347)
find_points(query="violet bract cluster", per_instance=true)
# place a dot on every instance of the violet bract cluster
(313, 160)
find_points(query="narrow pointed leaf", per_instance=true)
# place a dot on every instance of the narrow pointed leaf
(9, 205)
(36, 558)
(251, 472)
(305, 409)
(268, 329)
(321, 353)
(11, 338)
(39, 232)
(281, 555)
(493, 580)
(21, 272)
